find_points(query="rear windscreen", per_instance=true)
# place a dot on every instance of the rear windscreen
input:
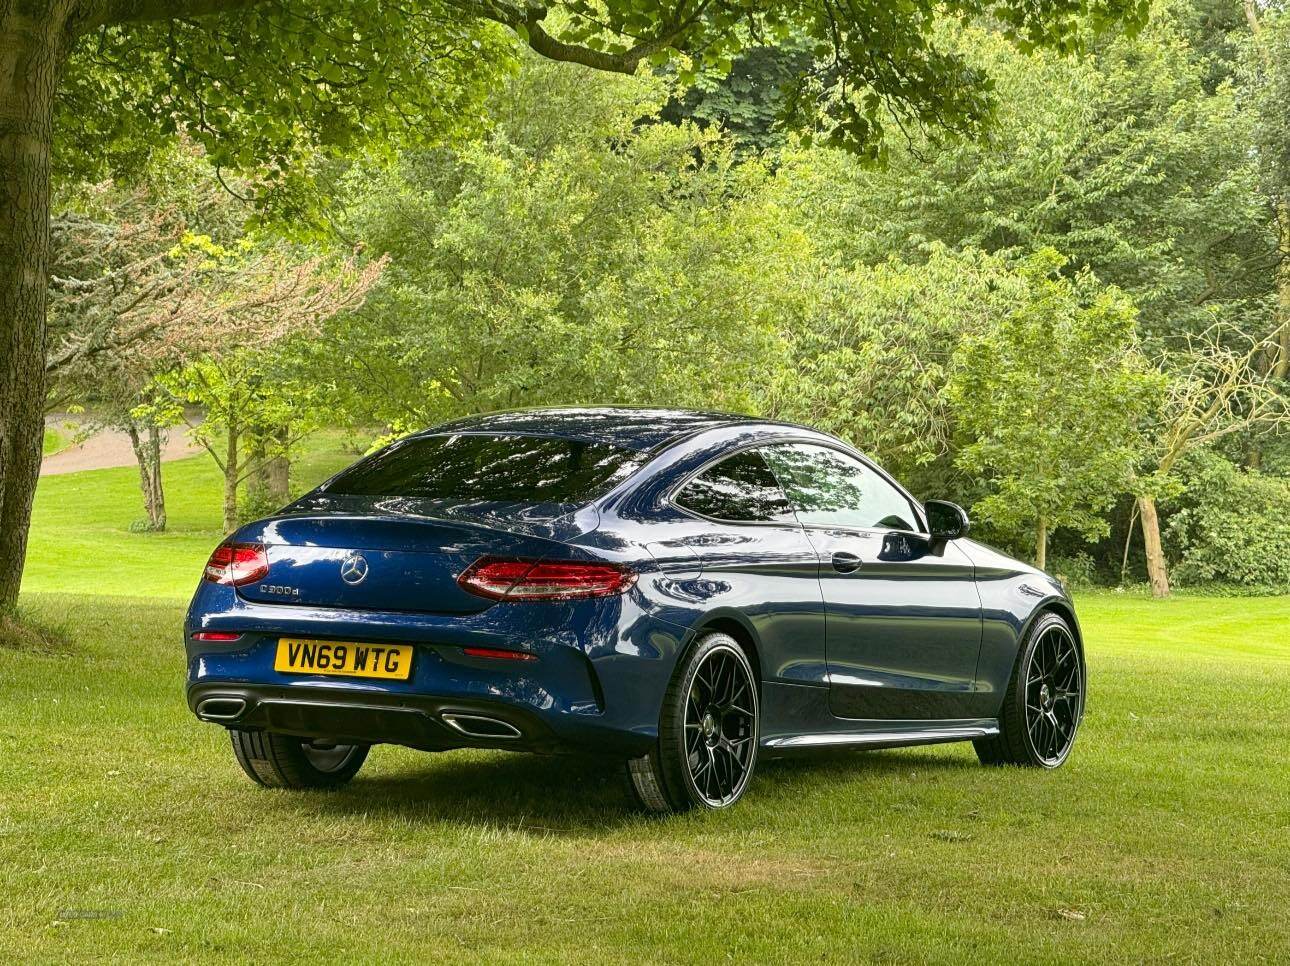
(504, 469)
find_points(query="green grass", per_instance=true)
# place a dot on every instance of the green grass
(1166, 836)
(80, 540)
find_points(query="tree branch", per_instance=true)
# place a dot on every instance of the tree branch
(100, 12)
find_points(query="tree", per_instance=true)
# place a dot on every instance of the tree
(872, 347)
(1216, 388)
(1126, 162)
(253, 412)
(748, 102)
(1154, 163)
(244, 397)
(1267, 83)
(1052, 396)
(262, 82)
(575, 255)
(138, 290)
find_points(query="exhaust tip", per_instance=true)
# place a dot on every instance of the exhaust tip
(221, 709)
(480, 726)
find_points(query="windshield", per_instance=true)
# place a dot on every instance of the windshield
(472, 467)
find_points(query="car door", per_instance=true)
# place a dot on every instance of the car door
(758, 563)
(902, 615)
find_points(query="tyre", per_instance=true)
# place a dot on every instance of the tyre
(1044, 704)
(282, 761)
(708, 733)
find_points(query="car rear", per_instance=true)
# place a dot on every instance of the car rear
(439, 593)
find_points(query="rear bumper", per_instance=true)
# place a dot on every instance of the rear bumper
(418, 721)
(595, 685)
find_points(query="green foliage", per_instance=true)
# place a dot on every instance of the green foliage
(1077, 571)
(1125, 162)
(872, 349)
(1265, 72)
(1049, 398)
(877, 64)
(274, 89)
(1230, 526)
(526, 270)
(248, 398)
(749, 101)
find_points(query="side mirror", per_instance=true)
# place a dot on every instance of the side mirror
(947, 521)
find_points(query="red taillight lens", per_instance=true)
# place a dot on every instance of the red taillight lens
(498, 654)
(506, 579)
(223, 636)
(237, 564)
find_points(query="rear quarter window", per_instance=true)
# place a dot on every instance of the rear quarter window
(740, 489)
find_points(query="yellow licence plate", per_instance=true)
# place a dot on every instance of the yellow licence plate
(346, 658)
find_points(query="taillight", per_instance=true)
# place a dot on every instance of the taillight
(220, 636)
(237, 564)
(500, 578)
(498, 654)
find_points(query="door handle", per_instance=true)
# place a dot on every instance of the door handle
(846, 563)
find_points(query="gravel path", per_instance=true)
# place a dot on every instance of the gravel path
(109, 448)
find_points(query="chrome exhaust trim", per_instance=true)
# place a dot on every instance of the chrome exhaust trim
(221, 709)
(480, 726)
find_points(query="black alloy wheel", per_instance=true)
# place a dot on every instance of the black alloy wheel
(1044, 705)
(708, 733)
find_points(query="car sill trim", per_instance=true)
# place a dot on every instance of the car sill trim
(922, 736)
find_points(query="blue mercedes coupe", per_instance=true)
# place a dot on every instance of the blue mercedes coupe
(684, 592)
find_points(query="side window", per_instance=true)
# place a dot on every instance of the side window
(741, 488)
(827, 487)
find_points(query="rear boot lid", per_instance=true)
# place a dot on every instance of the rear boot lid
(385, 563)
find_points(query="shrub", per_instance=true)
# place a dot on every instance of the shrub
(1077, 571)
(1230, 526)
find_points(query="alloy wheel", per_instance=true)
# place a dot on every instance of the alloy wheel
(326, 756)
(720, 727)
(1054, 695)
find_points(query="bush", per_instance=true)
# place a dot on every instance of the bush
(1230, 526)
(1077, 571)
(256, 505)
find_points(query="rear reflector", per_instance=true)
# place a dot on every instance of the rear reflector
(216, 636)
(237, 564)
(499, 578)
(498, 653)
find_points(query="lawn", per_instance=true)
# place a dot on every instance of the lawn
(127, 831)
(80, 540)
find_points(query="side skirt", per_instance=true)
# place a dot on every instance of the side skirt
(885, 734)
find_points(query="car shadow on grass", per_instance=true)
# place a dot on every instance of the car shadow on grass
(574, 795)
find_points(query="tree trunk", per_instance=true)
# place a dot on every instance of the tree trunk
(145, 478)
(257, 481)
(148, 455)
(232, 467)
(1041, 543)
(31, 40)
(158, 511)
(1157, 570)
(280, 470)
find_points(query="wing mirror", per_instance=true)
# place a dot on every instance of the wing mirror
(946, 521)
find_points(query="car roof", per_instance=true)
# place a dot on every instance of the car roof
(631, 427)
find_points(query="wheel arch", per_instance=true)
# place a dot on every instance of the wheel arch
(737, 627)
(1063, 609)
